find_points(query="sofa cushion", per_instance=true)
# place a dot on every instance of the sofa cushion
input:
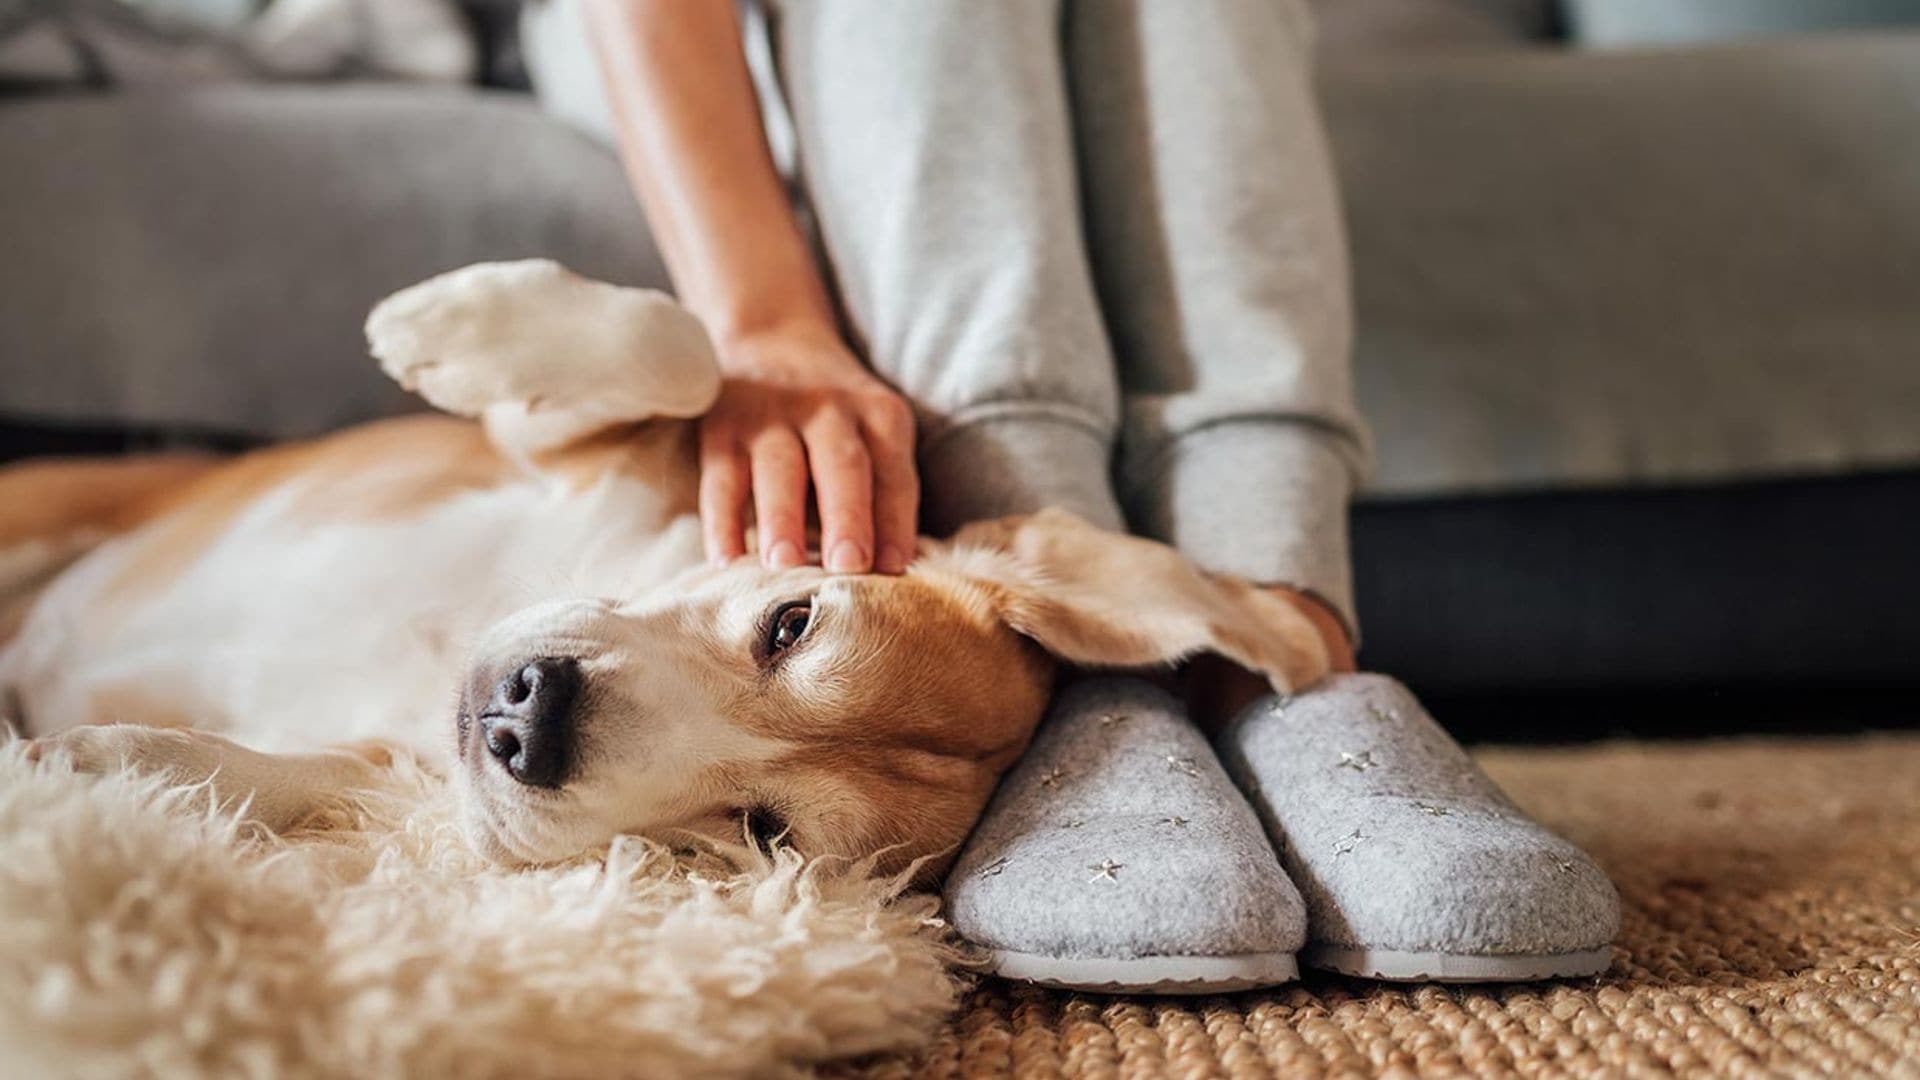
(205, 259)
(1610, 269)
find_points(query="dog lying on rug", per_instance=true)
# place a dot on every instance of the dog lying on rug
(522, 604)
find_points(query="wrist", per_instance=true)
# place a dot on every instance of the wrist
(777, 349)
(787, 307)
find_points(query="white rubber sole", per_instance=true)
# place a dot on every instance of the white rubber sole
(1147, 974)
(1392, 966)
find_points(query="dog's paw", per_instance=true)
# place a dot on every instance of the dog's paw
(183, 755)
(536, 338)
(275, 790)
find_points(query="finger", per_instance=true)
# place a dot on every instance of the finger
(723, 497)
(843, 484)
(896, 487)
(778, 467)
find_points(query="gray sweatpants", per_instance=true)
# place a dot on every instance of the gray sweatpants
(1098, 244)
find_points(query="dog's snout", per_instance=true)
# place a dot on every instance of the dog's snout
(528, 723)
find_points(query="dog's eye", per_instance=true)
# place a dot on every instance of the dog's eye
(765, 826)
(788, 626)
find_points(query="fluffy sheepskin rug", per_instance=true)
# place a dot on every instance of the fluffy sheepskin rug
(143, 933)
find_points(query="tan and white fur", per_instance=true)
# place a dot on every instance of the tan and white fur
(281, 623)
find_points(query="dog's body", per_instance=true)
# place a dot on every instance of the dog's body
(243, 620)
(381, 553)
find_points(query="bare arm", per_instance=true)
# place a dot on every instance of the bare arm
(797, 403)
(797, 397)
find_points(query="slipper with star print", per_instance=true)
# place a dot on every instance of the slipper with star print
(1413, 865)
(1118, 857)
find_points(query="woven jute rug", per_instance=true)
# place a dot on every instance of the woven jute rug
(1772, 892)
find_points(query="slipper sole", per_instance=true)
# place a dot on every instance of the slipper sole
(1147, 974)
(1390, 965)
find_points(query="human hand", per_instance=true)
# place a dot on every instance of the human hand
(798, 406)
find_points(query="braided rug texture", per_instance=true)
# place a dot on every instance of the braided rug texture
(1772, 892)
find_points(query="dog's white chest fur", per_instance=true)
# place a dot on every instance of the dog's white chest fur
(369, 640)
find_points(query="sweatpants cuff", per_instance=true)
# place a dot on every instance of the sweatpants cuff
(1264, 500)
(1016, 463)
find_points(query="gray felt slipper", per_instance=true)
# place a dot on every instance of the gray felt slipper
(1118, 856)
(1413, 864)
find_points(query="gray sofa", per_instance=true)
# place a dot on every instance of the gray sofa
(1639, 331)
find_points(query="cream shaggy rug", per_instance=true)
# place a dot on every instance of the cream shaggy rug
(1772, 890)
(142, 934)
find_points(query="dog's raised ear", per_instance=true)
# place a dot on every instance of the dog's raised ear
(1103, 599)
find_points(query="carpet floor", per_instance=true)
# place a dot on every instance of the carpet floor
(1772, 892)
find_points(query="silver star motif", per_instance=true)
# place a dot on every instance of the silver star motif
(1112, 718)
(1347, 843)
(1104, 869)
(1052, 776)
(1431, 810)
(1176, 821)
(1565, 866)
(1183, 765)
(992, 869)
(1358, 762)
(1072, 823)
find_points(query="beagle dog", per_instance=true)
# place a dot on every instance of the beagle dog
(522, 603)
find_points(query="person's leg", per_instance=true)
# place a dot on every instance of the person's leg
(935, 150)
(1216, 235)
(935, 155)
(1215, 232)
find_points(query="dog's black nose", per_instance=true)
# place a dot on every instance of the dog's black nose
(528, 723)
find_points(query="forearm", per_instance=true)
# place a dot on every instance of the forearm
(798, 411)
(691, 137)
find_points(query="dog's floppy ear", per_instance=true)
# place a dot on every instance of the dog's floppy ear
(1103, 599)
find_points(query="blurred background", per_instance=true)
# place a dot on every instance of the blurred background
(1638, 288)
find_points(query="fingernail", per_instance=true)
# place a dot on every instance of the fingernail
(890, 560)
(847, 557)
(784, 555)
